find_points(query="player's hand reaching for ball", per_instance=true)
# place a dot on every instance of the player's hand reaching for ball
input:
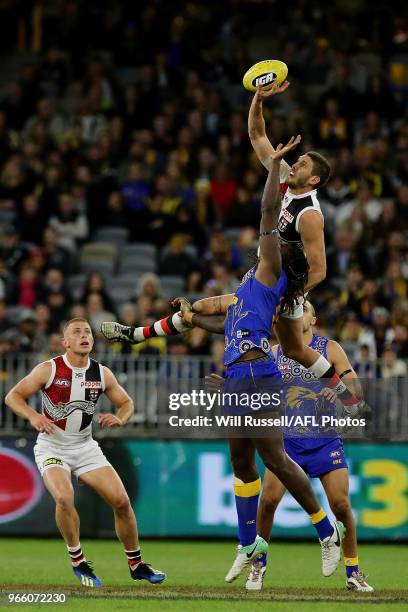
(281, 150)
(42, 424)
(276, 88)
(109, 420)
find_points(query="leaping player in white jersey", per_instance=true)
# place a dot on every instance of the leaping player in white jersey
(301, 223)
(71, 385)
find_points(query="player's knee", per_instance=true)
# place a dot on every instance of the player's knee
(64, 499)
(340, 507)
(121, 503)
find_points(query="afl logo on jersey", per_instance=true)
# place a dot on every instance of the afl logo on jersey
(62, 382)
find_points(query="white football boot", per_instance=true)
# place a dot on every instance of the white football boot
(331, 549)
(245, 554)
(357, 582)
(256, 575)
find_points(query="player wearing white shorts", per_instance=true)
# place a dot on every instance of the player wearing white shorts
(71, 385)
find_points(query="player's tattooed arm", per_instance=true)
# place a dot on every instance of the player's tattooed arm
(212, 323)
(256, 129)
(16, 398)
(338, 358)
(213, 305)
(119, 398)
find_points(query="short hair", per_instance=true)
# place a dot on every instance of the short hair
(321, 167)
(75, 320)
(310, 307)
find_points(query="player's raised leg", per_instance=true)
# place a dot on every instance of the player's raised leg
(289, 330)
(106, 482)
(336, 485)
(58, 482)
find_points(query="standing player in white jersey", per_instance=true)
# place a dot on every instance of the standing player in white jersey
(71, 385)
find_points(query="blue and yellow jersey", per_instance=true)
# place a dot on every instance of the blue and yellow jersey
(303, 397)
(251, 315)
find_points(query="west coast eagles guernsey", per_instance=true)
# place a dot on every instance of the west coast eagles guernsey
(303, 398)
(69, 399)
(251, 315)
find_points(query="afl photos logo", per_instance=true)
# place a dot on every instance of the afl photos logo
(20, 485)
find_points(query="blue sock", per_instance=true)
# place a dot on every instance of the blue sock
(260, 560)
(351, 565)
(322, 524)
(246, 500)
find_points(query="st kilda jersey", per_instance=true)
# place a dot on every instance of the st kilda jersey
(69, 399)
(293, 207)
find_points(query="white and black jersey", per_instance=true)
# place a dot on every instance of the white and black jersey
(293, 207)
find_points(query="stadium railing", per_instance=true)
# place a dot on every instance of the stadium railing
(148, 378)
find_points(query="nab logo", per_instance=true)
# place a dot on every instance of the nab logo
(264, 79)
(62, 382)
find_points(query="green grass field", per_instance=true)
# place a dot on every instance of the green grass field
(196, 578)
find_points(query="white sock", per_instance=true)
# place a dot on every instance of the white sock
(169, 326)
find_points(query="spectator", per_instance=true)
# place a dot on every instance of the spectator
(95, 283)
(96, 313)
(391, 366)
(70, 224)
(31, 220)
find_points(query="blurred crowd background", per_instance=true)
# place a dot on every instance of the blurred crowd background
(127, 176)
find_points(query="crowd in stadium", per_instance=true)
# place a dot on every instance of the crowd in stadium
(101, 130)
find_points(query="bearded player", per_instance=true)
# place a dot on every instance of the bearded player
(71, 385)
(300, 225)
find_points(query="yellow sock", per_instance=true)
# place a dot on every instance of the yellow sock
(317, 516)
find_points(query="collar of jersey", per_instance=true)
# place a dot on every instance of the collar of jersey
(301, 195)
(65, 358)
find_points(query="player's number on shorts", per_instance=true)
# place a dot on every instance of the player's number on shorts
(391, 493)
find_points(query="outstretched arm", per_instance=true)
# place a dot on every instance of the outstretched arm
(213, 305)
(211, 323)
(269, 266)
(257, 132)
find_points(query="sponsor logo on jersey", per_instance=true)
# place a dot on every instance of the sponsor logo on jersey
(335, 454)
(91, 384)
(288, 216)
(52, 461)
(62, 382)
(242, 333)
(337, 461)
(79, 374)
